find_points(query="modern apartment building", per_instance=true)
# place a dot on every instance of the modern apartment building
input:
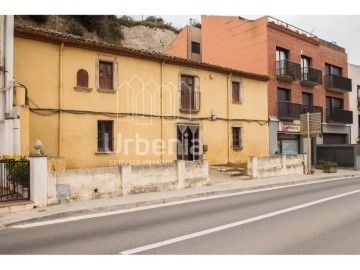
(307, 74)
(354, 103)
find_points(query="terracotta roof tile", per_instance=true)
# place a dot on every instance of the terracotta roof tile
(50, 35)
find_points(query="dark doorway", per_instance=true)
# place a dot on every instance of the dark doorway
(188, 142)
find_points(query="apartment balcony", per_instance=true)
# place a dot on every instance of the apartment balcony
(339, 116)
(311, 76)
(287, 70)
(292, 111)
(337, 83)
(189, 101)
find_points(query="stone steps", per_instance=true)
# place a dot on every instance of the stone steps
(15, 206)
(230, 171)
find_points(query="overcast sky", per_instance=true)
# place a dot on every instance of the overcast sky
(342, 29)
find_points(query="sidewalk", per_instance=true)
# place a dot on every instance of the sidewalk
(222, 184)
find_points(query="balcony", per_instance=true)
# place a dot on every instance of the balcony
(311, 76)
(287, 70)
(292, 111)
(337, 83)
(189, 101)
(339, 116)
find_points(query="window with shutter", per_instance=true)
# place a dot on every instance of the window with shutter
(82, 78)
(106, 75)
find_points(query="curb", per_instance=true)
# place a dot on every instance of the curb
(171, 200)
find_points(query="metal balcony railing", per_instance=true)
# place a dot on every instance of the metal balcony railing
(311, 76)
(288, 70)
(189, 100)
(292, 111)
(339, 116)
(337, 83)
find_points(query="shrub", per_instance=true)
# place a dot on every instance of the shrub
(329, 164)
(18, 172)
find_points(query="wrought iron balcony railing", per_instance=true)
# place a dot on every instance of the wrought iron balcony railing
(311, 76)
(339, 116)
(292, 111)
(287, 70)
(189, 101)
(337, 83)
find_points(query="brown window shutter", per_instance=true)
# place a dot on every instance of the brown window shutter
(82, 78)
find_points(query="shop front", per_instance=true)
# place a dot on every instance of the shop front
(288, 137)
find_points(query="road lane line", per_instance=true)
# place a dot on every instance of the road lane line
(231, 225)
(135, 209)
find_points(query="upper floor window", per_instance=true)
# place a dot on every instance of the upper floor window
(332, 70)
(305, 64)
(235, 88)
(334, 103)
(82, 78)
(358, 96)
(189, 97)
(281, 54)
(195, 47)
(106, 75)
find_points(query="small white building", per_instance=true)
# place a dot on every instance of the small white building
(354, 102)
(9, 119)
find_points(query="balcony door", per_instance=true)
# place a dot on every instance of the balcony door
(305, 64)
(281, 57)
(332, 70)
(283, 102)
(306, 102)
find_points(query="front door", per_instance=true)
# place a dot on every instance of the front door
(188, 142)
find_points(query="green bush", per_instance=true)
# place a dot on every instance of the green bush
(329, 164)
(321, 164)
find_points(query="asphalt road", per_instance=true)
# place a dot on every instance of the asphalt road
(322, 218)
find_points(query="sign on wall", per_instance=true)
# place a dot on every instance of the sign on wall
(292, 126)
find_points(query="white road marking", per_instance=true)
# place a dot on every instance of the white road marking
(117, 212)
(231, 225)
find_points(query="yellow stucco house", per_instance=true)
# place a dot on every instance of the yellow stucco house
(98, 104)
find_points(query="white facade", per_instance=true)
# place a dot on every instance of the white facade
(9, 116)
(354, 74)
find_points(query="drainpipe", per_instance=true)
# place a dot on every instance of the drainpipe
(228, 114)
(190, 37)
(60, 98)
(161, 110)
(2, 68)
(9, 60)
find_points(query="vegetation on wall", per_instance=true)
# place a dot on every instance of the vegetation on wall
(106, 27)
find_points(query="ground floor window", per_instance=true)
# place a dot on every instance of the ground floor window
(334, 138)
(105, 136)
(188, 147)
(237, 142)
(288, 143)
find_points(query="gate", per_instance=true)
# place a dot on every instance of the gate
(14, 180)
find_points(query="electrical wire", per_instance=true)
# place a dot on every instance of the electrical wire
(51, 112)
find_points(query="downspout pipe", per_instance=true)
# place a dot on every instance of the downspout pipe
(228, 114)
(9, 63)
(61, 63)
(161, 110)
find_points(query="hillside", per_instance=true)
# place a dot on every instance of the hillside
(151, 34)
